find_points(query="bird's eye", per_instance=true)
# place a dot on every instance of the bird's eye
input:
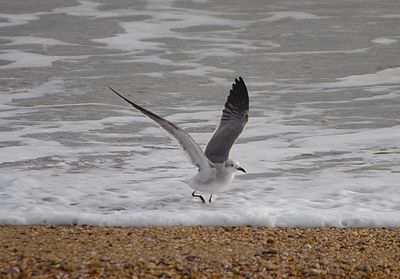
(231, 165)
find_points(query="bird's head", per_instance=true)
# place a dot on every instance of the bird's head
(235, 166)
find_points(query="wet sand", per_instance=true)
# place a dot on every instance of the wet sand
(198, 252)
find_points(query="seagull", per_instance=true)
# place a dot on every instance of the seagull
(215, 169)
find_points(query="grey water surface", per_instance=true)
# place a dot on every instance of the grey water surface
(321, 147)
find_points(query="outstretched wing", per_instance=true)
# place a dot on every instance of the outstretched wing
(234, 118)
(189, 146)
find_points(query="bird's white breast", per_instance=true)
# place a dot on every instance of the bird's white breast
(212, 180)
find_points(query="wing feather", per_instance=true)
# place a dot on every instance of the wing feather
(188, 144)
(233, 120)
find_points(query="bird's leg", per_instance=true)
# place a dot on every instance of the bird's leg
(209, 200)
(198, 196)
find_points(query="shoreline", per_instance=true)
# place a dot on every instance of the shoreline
(189, 252)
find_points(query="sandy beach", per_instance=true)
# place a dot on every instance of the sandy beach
(198, 252)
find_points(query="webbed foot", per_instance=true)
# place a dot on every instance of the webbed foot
(198, 196)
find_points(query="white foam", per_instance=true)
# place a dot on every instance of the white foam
(52, 86)
(391, 16)
(384, 41)
(25, 40)
(91, 9)
(23, 59)
(138, 34)
(276, 16)
(374, 138)
(383, 77)
(148, 189)
(17, 19)
(213, 52)
(316, 52)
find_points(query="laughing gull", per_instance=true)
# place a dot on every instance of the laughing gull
(215, 169)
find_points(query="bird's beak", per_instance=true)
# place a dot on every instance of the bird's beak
(241, 169)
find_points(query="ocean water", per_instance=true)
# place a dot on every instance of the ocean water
(322, 146)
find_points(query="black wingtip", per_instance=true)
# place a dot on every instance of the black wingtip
(239, 95)
(240, 85)
(240, 80)
(124, 98)
(116, 92)
(150, 114)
